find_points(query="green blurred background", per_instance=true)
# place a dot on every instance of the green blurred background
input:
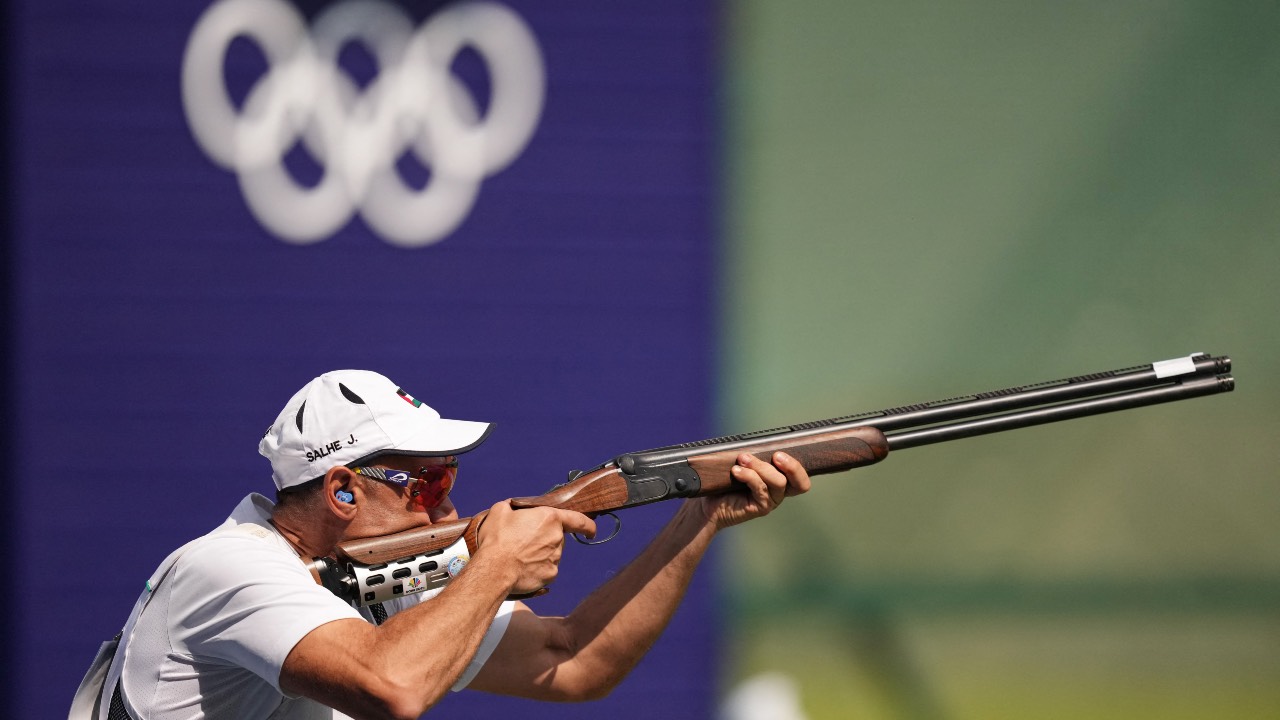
(932, 199)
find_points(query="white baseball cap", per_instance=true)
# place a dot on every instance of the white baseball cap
(347, 416)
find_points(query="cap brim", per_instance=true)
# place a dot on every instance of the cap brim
(444, 437)
(437, 438)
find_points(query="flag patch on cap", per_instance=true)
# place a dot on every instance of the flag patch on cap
(408, 398)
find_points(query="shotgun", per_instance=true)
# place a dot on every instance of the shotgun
(372, 570)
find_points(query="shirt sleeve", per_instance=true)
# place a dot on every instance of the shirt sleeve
(247, 601)
(497, 629)
(488, 643)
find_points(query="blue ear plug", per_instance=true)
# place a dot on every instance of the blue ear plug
(346, 497)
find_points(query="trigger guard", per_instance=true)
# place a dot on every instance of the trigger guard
(617, 526)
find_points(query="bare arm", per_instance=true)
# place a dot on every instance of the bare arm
(586, 654)
(402, 668)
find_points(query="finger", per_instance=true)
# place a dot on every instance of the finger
(749, 471)
(767, 471)
(497, 513)
(774, 480)
(798, 481)
(576, 522)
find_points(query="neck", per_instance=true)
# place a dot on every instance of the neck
(307, 536)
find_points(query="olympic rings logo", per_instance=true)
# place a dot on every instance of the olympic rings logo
(413, 104)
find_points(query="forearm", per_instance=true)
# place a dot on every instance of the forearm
(405, 666)
(451, 626)
(583, 656)
(612, 628)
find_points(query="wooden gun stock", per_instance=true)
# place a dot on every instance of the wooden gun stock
(385, 548)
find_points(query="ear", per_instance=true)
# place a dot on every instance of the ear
(341, 479)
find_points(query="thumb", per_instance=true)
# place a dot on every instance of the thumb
(496, 512)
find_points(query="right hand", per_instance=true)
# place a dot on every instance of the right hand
(530, 542)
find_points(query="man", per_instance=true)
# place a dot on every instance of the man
(238, 628)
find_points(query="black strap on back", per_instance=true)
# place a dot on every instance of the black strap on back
(117, 711)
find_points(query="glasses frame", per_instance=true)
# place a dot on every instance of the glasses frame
(410, 480)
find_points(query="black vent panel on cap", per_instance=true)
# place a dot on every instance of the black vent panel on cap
(346, 393)
(298, 419)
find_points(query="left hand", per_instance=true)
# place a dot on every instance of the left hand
(766, 485)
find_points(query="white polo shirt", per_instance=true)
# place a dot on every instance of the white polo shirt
(212, 641)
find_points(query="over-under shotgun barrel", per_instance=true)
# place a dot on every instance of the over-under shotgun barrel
(842, 443)
(1054, 393)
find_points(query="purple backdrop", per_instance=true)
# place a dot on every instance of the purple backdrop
(159, 328)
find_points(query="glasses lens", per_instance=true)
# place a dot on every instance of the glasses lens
(433, 484)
